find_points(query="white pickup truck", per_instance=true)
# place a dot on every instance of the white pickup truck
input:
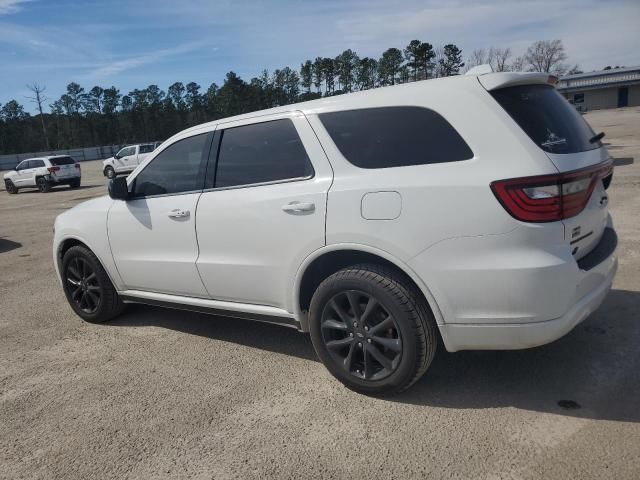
(127, 159)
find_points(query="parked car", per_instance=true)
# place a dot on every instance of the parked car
(43, 173)
(127, 159)
(471, 209)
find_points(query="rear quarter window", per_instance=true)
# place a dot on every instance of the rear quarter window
(388, 137)
(547, 118)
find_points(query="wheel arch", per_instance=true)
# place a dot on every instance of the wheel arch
(328, 260)
(71, 241)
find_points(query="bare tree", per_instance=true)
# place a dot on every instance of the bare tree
(518, 64)
(501, 56)
(481, 56)
(39, 98)
(546, 56)
(477, 58)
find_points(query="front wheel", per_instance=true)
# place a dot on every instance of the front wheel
(11, 188)
(109, 172)
(87, 286)
(372, 329)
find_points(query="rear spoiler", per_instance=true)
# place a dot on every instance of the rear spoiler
(493, 81)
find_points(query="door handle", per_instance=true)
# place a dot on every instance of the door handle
(299, 207)
(177, 213)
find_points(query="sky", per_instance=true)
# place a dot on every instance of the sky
(132, 44)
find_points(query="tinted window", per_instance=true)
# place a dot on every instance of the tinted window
(394, 137)
(146, 148)
(36, 163)
(262, 152)
(22, 165)
(176, 169)
(62, 161)
(126, 151)
(549, 120)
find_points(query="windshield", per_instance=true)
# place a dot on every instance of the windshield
(549, 119)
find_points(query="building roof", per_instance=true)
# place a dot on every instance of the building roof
(598, 73)
(611, 77)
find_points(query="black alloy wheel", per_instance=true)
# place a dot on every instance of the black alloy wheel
(83, 286)
(372, 328)
(361, 336)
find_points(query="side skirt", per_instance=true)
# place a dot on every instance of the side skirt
(257, 313)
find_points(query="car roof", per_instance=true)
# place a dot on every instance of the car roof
(338, 102)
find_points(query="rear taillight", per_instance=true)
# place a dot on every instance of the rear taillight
(78, 166)
(549, 198)
(53, 169)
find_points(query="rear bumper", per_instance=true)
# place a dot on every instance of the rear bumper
(64, 181)
(597, 271)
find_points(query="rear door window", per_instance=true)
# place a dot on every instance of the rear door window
(394, 137)
(37, 163)
(146, 148)
(547, 118)
(62, 161)
(261, 153)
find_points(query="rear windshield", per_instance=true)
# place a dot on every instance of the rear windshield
(549, 119)
(62, 161)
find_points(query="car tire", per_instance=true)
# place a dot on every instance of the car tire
(10, 187)
(74, 184)
(372, 329)
(109, 172)
(43, 185)
(87, 286)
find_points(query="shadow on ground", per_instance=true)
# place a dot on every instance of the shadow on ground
(623, 161)
(597, 365)
(57, 188)
(8, 245)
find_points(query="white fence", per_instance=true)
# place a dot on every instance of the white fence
(7, 162)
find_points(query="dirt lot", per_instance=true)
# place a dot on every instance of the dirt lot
(164, 394)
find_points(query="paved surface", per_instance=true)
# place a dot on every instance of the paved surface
(164, 394)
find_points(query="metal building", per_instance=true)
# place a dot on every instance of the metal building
(613, 88)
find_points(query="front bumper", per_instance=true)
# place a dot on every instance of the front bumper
(597, 271)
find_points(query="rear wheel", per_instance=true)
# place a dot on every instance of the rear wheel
(43, 185)
(87, 286)
(11, 188)
(109, 172)
(372, 329)
(74, 184)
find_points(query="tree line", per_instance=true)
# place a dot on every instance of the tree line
(105, 116)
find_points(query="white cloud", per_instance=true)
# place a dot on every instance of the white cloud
(10, 6)
(118, 66)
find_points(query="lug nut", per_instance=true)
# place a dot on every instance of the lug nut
(369, 340)
(366, 329)
(351, 334)
(360, 344)
(355, 324)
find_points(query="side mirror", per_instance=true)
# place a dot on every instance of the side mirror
(118, 189)
(117, 157)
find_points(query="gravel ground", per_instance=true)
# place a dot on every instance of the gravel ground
(166, 394)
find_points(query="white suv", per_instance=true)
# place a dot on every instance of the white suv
(471, 209)
(126, 160)
(43, 173)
